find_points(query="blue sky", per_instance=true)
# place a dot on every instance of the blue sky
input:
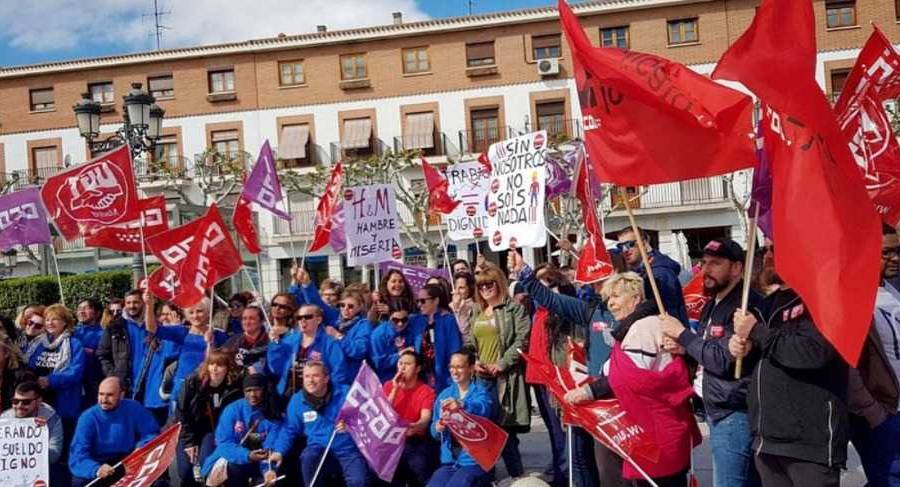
(35, 32)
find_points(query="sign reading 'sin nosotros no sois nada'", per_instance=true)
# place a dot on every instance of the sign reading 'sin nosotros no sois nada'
(24, 452)
(516, 192)
(373, 232)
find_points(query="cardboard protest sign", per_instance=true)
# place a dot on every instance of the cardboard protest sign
(516, 195)
(24, 452)
(468, 184)
(371, 226)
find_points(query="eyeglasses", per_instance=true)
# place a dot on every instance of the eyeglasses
(484, 286)
(281, 306)
(346, 305)
(305, 317)
(422, 301)
(399, 321)
(35, 323)
(236, 305)
(25, 402)
(889, 252)
(626, 245)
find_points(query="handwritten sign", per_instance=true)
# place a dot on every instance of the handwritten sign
(468, 184)
(24, 451)
(516, 193)
(373, 232)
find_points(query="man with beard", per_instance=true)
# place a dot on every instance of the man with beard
(798, 399)
(874, 391)
(665, 271)
(724, 397)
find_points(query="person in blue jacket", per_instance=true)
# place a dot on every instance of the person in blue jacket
(458, 468)
(665, 272)
(246, 430)
(88, 331)
(58, 360)
(389, 340)
(312, 414)
(107, 433)
(305, 291)
(287, 355)
(437, 334)
(352, 331)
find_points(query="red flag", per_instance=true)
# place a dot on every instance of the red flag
(146, 464)
(164, 284)
(211, 258)
(863, 120)
(824, 226)
(594, 262)
(94, 194)
(171, 248)
(480, 437)
(438, 199)
(538, 344)
(694, 297)
(126, 236)
(641, 111)
(242, 219)
(326, 208)
(485, 161)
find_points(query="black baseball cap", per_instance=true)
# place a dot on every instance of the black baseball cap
(725, 248)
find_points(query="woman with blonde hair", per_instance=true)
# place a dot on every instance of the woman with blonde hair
(29, 324)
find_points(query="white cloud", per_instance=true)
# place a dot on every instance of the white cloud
(80, 25)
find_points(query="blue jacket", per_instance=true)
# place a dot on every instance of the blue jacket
(316, 427)
(192, 350)
(447, 341)
(235, 422)
(101, 434)
(478, 401)
(591, 316)
(138, 340)
(297, 292)
(666, 272)
(386, 344)
(66, 383)
(89, 334)
(309, 294)
(280, 358)
(356, 341)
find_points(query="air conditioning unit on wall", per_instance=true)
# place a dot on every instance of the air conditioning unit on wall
(548, 66)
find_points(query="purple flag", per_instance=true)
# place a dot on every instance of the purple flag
(23, 220)
(263, 187)
(761, 192)
(416, 276)
(558, 180)
(377, 430)
(337, 238)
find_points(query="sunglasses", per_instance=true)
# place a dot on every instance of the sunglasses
(25, 402)
(281, 306)
(35, 323)
(423, 301)
(236, 305)
(399, 321)
(890, 252)
(305, 317)
(346, 305)
(484, 286)
(626, 245)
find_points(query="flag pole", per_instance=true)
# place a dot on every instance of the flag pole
(322, 460)
(291, 230)
(97, 479)
(261, 298)
(748, 273)
(569, 251)
(569, 451)
(269, 482)
(644, 257)
(143, 249)
(261, 289)
(62, 298)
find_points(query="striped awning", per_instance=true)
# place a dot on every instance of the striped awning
(292, 144)
(419, 131)
(357, 133)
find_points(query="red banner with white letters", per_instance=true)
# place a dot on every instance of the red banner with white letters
(482, 439)
(146, 464)
(212, 257)
(171, 248)
(126, 236)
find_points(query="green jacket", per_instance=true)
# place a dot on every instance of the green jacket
(514, 399)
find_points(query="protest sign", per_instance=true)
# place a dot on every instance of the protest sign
(371, 226)
(516, 195)
(468, 184)
(416, 276)
(24, 452)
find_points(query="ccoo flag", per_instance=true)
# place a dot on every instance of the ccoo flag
(22, 219)
(262, 186)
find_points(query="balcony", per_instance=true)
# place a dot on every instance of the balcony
(693, 192)
(315, 155)
(376, 147)
(304, 221)
(221, 163)
(477, 141)
(440, 142)
(559, 129)
(147, 171)
(37, 175)
(61, 245)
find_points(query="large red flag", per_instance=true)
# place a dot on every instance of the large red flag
(594, 262)
(824, 225)
(242, 219)
(211, 258)
(171, 248)
(642, 111)
(480, 437)
(146, 464)
(94, 194)
(126, 236)
(874, 79)
(326, 207)
(438, 199)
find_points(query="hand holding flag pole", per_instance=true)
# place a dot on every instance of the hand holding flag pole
(644, 258)
(748, 272)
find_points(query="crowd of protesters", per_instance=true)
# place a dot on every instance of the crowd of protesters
(260, 386)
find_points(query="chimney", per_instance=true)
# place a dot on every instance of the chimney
(398, 18)
(321, 28)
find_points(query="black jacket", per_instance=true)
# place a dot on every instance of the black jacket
(247, 356)
(722, 393)
(199, 409)
(114, 352)
(798, 403)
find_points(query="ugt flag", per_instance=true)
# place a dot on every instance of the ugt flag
(94, 194)
(377, 430)
(146, 464)
(22, 219)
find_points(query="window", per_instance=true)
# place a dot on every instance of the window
(293, 144)
(897, 10)
(480, 54)
(45, 160)
(102, 92)
(221, 81)
(419, 132)
(614, 37)
(415, 60)
(838, 80)
(166, 153)
(683, 31)
(291, 73)
(547, 46)
(226, 142)
(161, 87)
(353, 66)
(357, 135)
(551, 116)
(840, 14)
(41, 99)
(485, 128)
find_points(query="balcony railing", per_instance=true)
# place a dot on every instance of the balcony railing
(684, 193)
(303, 223)
(62, 245)
(224, 163)
(315, 154)
(146, 170)
(476, 141)
(559, 129)
(376, 147)
(442, 145)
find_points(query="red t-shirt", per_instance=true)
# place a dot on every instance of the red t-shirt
(409, 403)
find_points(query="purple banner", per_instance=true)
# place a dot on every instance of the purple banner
(377, 430)
(23, 220)
(558, 180)
(263, 186)
(416, 276)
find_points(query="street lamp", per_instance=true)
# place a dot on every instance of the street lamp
(87, 116)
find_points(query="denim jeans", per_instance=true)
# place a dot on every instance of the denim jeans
(456, 476)
(351, 468)
(879, 450)
(184, 465)
(731, 442)
(556, 434)
(583, 465)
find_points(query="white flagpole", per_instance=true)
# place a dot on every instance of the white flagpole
(322, 460)
(62, 298)
(569, 451)
(261, 298)
(280, 477)
(291, 229)
(143, 249)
